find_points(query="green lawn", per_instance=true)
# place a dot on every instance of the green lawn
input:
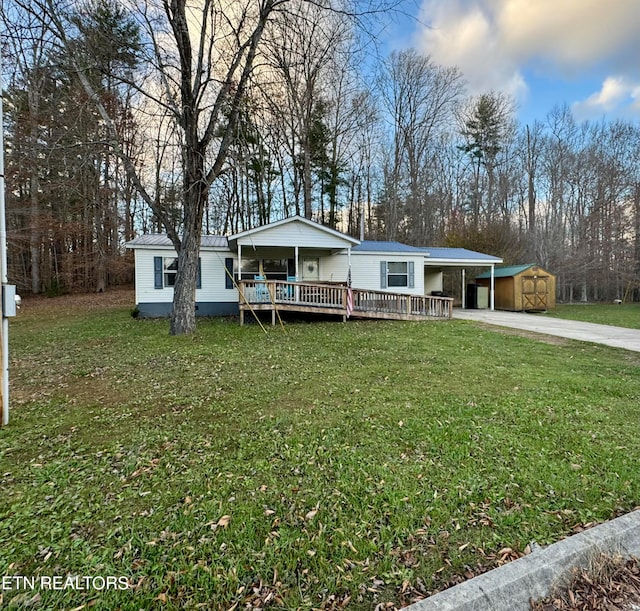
(322, 466)
(627, 315)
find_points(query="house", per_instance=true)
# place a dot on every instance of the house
(297, 264)
(522, 288)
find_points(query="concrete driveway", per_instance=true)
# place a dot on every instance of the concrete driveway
(618, 337)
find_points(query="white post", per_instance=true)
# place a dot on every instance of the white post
(492, 295)
(239, 261)
(464, 294)
(4, 329)
(297, 255)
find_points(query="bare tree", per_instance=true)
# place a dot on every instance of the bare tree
(420, 98)
(530, 150)
(201, 57)
(300, 50)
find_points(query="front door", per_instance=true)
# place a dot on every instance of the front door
(310, 269)
(535, 292)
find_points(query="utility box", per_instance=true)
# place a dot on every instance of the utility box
(9, 305)
(483, 297)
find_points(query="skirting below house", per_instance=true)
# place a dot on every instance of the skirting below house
(203, 308)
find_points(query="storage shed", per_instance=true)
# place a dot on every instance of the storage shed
(522, 288)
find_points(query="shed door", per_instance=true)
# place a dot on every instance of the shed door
(535, 292)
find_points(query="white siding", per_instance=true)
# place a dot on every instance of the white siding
(432, 281)
(212, 273)
(365, 271)
(294, 233)
(335, 268)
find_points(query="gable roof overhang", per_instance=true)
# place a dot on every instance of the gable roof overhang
(291, 232)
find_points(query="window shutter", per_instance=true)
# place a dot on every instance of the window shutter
(199, 279)
(157, 272)
(228, 275)
(383, 274)
(412, 282)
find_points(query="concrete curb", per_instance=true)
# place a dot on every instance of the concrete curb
(511, 587)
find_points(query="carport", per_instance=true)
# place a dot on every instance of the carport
(438, 259)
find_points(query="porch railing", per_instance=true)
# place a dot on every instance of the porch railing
(265, 294)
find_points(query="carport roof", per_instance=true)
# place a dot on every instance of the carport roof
(461, 254)
(436, 254)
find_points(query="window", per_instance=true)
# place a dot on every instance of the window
(165, 270)
(396, 274)
(273, 269)
(170, 269)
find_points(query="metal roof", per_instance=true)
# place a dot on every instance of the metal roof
(446, 255)
(460, 254)
(162, 239)
(506, 272)
(380, 246)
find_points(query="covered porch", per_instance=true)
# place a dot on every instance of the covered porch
(293, 249)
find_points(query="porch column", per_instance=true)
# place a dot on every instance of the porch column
(492, 295)
(464, 294)
(297, 254)
(239, 261)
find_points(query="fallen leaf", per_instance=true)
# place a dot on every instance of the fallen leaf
(223, 522)
(311, 515)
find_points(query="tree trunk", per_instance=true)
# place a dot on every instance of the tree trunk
(183, 315)
(33, 98)
(34, 234)
(306, 176)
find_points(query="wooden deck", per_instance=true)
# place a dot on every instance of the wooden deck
(319, 298)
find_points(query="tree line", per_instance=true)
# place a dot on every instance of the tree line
(210, 117)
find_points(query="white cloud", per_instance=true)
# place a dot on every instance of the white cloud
(618, 95)
(572, 34)
(464, 36)
(492, 41)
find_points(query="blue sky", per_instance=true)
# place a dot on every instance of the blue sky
(583, 53)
